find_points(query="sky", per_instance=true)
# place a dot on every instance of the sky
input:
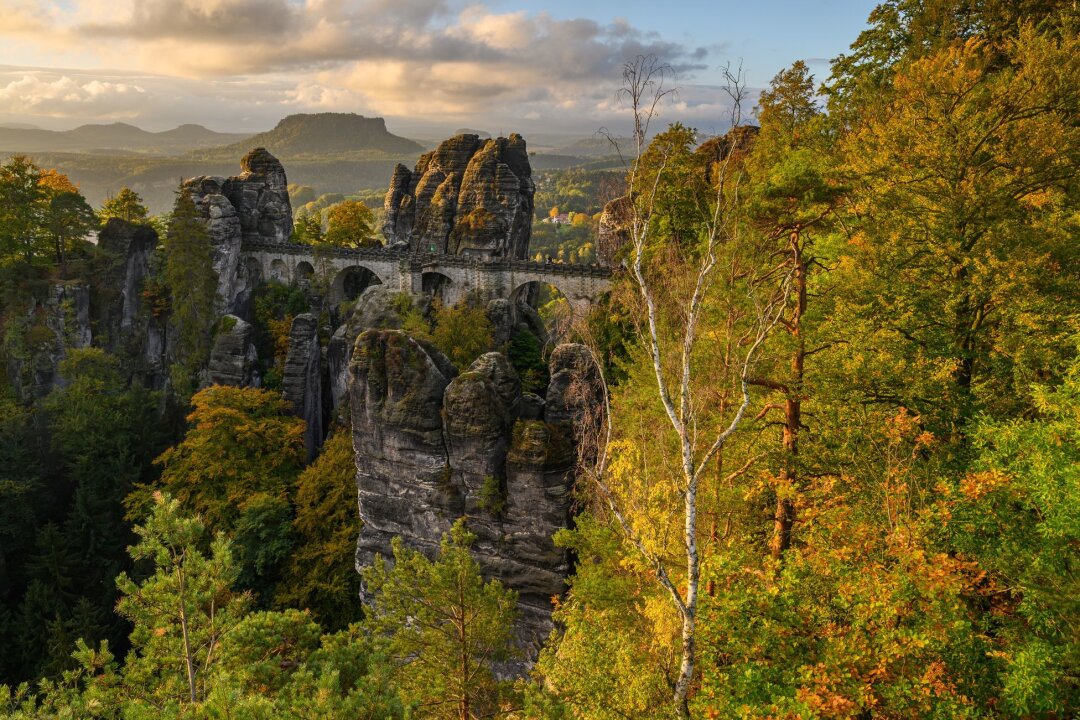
(425, 65)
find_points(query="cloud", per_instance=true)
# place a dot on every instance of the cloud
(34, 94)
(420, 59)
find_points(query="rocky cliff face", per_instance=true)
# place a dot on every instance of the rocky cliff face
(467, 197)
(233, 359)
(40, 336)
(251, 206)
(302, 383)
(433, 445)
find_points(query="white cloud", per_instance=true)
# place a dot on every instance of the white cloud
(34, 94)
(418, 59)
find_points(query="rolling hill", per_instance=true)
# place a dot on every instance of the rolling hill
(115, 136)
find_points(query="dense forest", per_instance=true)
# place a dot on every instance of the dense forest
(834, 473)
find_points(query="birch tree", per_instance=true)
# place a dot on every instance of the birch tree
(676, 289)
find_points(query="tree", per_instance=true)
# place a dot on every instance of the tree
(189, 275)
(307, 229)
(350, 224)
(103, 436)
(243, 443)
(444, 627)
(1014, 512)
(125, 205)
(321, 575)
(463, 332)
(965, 173)
(792, 194)
(22, 208)
(181, 612)
(69, 218)
(683, 229)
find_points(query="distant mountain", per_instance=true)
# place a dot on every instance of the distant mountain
(327, 134)
(594, 146)
(483, 134)
(18, 126)
(115, 136)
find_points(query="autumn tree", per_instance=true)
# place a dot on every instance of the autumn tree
(125, 205)
(689, 266)
(350, 224)
(321, 575)
(243, 443)
(463, 332)
(964, 171)
(443, 626)
(792, 191)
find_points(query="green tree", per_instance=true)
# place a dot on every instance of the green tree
(321, 575)
(125, 205)
(307, 228)
(189, 275)
(463, 332)
(100, 437)
(350, 224)
(964, 178)
(181, 611)
(22, 208)
(1015, 513)
(443, 626)
(792, 193)
(68, 218)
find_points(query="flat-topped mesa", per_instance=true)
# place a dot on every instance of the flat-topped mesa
(252, 206)
(467, 197)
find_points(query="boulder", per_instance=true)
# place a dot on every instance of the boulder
(575, 387)
(132, 247)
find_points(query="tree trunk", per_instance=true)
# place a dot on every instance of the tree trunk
(784, 517)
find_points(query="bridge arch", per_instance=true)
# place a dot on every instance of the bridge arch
(351, 281)
(439, 285)
(303, 273)
(551, 303)
(253, 271)
(279, 271)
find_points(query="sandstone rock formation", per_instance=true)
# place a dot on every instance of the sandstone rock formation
(433, 445)
(301, 382)
(131, 246)
(467, 197)
(251, 206)
(233, 359)
(130, 325)
(378, 307)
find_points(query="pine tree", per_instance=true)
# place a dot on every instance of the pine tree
(444, 626)
(181, 612)
(192, 283)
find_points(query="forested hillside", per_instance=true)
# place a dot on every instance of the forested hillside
(817, 450)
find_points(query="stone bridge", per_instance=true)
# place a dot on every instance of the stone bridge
(346, 272)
